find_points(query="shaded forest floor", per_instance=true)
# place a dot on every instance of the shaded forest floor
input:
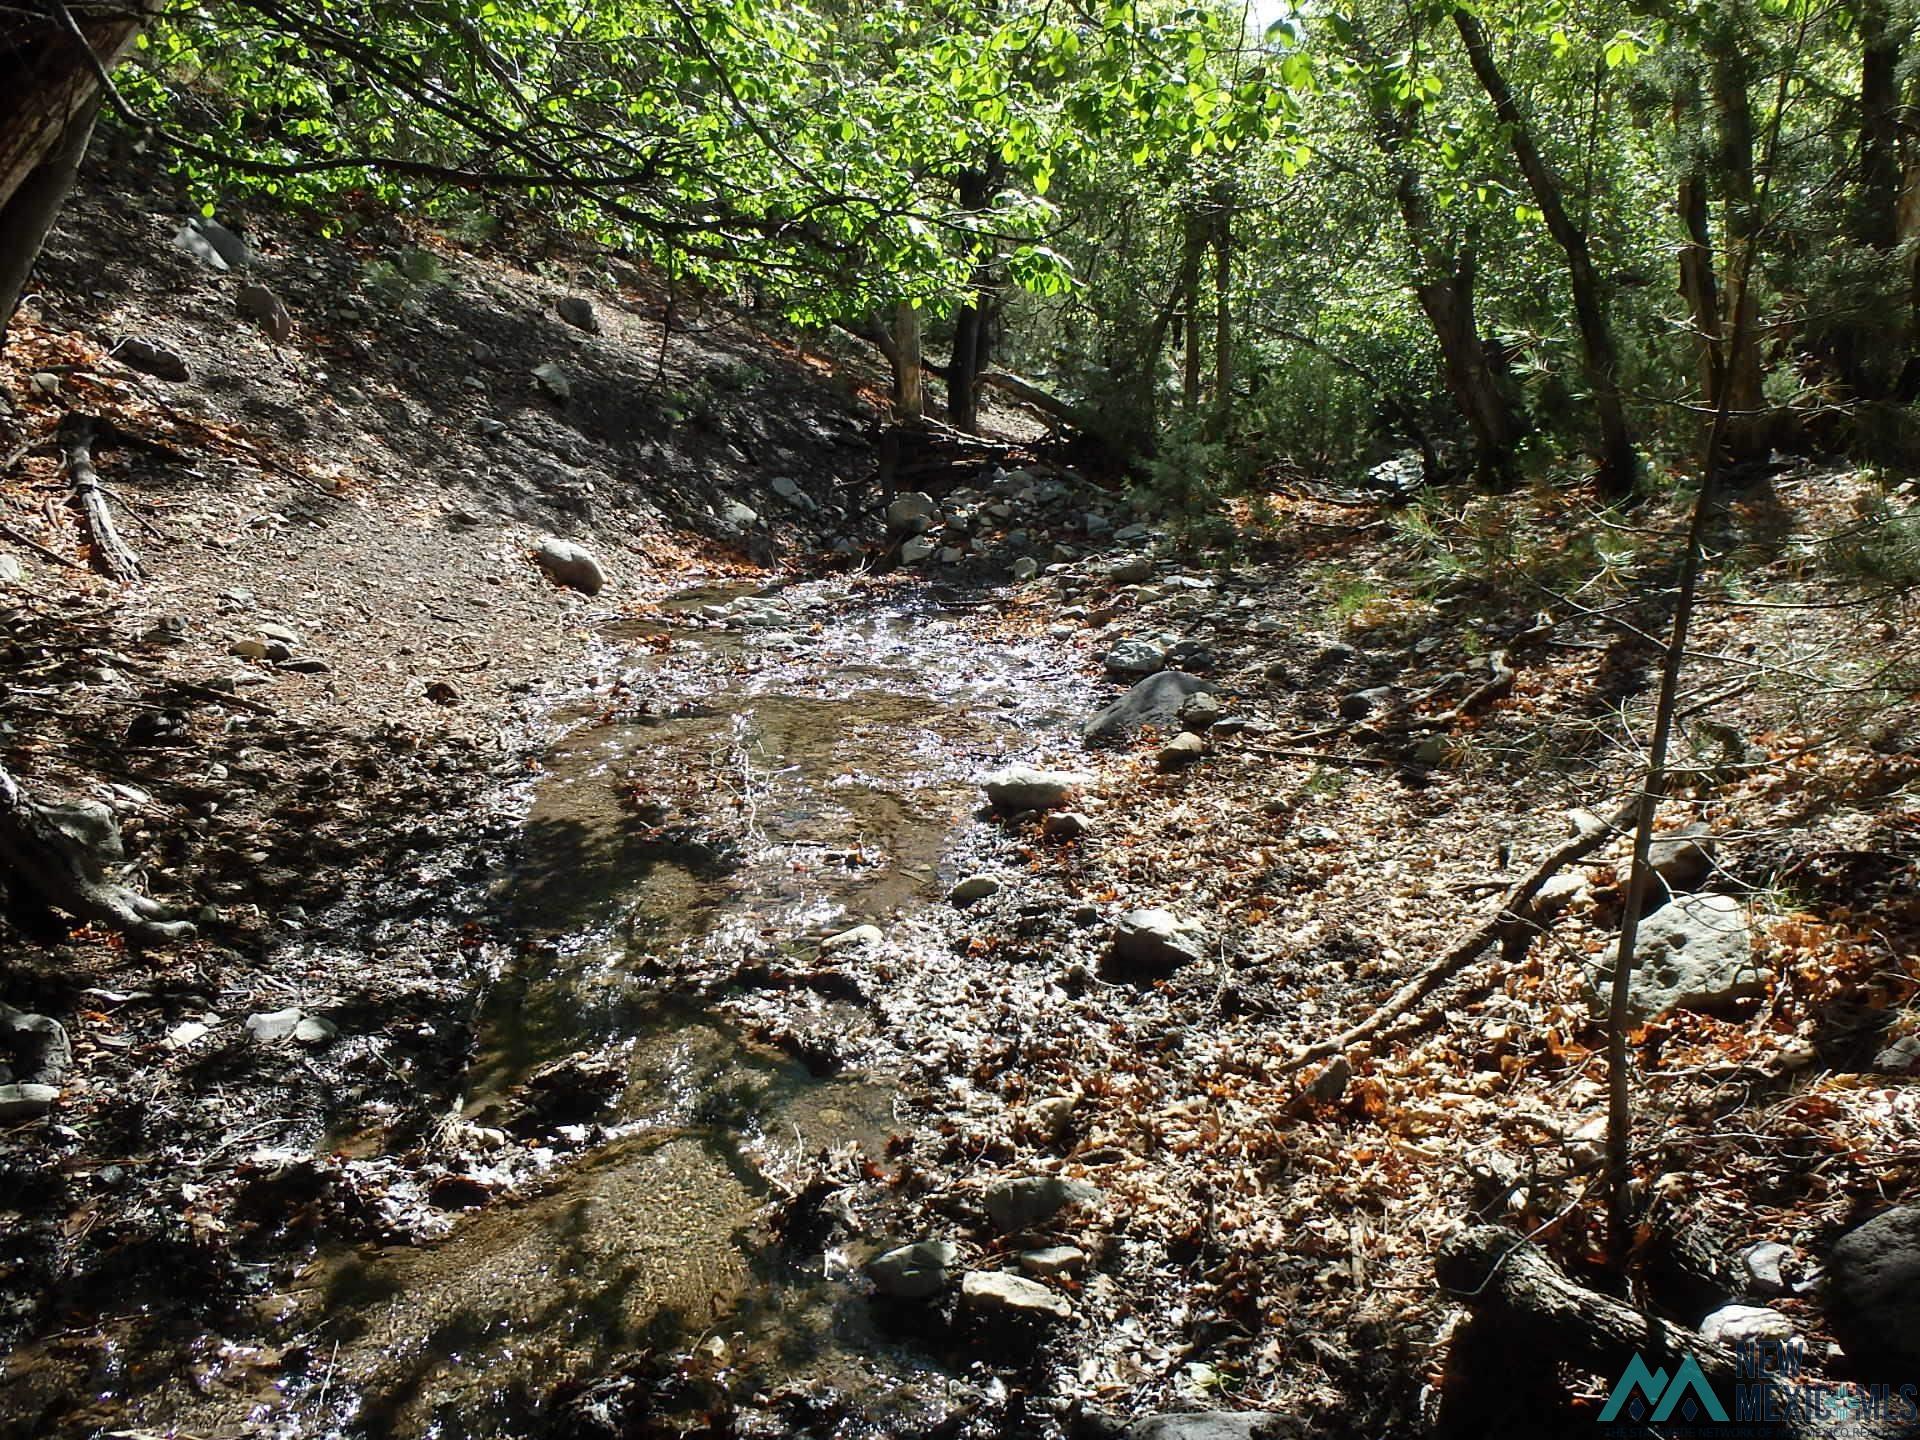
(342, 823)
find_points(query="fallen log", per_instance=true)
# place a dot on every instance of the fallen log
(1527, 1310)
(110, 552)
(1513, 911)
(56, 857)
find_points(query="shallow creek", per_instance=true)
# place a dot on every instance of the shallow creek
(766, 771)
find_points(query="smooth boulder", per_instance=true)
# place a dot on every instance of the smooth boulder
(914, 1272)
(1873, 1294)
(571, 565)
(997, 1291)
(1022, 787)
(1016, 1205)
(1156, 700)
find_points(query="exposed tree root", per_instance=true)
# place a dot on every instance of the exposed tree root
(55, 856)
(110, 552)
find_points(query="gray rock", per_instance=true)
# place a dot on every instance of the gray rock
(554, 381)
(916, 549)
(1765, 1266)
(11, 571)
(153, 359)
(227, 245)
(305, 665)
(1201, 710)
(270, 1027)
(914, 1272)
(1053, 1260)
(1052, 1117)
(1902, 1057)
(189, 241)
(1022, 787)
(974, 887)
(263, 307)
(788, 489)
(999, 1292)
(859, 936)
(1132, 534)
(1873, 1293)
(1135, 657)
(1362, 703)
(1182, 751)
(1190, 655)
(1741, 1324)
(1684, 857)
(737, 514)
(1016, 1205)
(26, 1102)
(571, 565)
(1065, 825)
(1200, 1425)
(951, 555)
(33, 1048)
(1695, 953)
(1131, 572)
(278, 634)
(1156, 700)
(1025, 568)
(911, 513)
(1157, 941)
(578, 312)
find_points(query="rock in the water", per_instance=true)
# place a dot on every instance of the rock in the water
(974, 887)
(1873, 1293)
(1696, 953)
(860, 935)
(1065, 825)
(571, 565)
(918, 548)
(1021, 787)
(914, 1272)
(1182, 750)
(1200, 1425)
(1025, 568)
(1135, 657)
(1016, 1205)
(578, 312)
(26, 1102)
(997, 1291)
(1743, 1324)
(910, 514)
(1156, 940)
(153, 359)
(1053, 1260)
(1154, 701)
(1684, 857)
(261, 305)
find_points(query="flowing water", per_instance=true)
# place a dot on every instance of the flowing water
(750, 784)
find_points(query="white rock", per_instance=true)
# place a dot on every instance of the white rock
(571, 565)
(1001, 1292)
(1022, 787)
(1054, 1260)
(1738, 1324)
(914, 1272)
(974, 887)
(852, 939)
(1156, 940)
(1025, 568)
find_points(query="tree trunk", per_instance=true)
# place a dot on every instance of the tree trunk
(1747, 434)
(49, 93)
(908, 396)
(1444, 287)
(1220, 421)
(1618, 465)
(1195, 242)
(1698, 286)
(972, 345)
(1876, 208)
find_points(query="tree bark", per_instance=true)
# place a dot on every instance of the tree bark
(1747, 435)
(1194, 240)
(1220, 420)
(908, 396)
(49, 94)
(110, 552)
(1619, 467)
(1698, 286)
(1876, 209)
